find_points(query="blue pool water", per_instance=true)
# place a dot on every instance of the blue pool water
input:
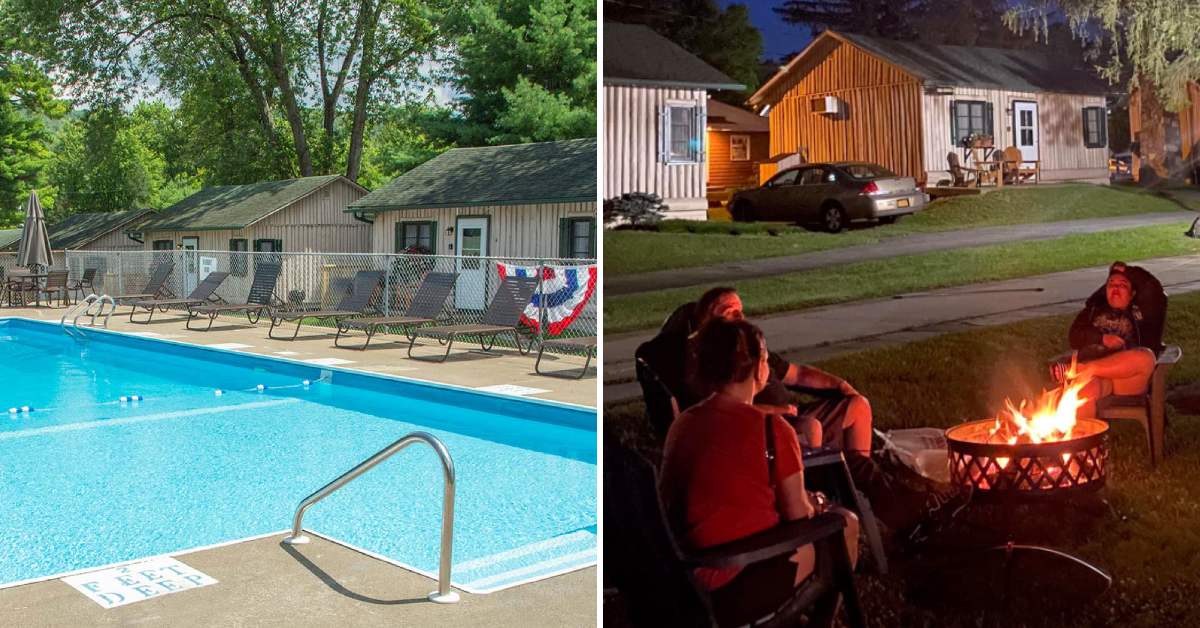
(86, 480)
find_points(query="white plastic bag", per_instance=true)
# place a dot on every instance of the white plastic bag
(922, 449)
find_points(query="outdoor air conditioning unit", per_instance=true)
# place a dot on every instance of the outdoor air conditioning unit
(826, 104)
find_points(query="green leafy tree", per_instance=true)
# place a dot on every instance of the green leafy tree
(527, 70)
(403, 138)
(1152, 46)
(27, 101)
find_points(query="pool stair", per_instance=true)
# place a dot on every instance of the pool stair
(528, 563)
(443, 595)
(84, 308)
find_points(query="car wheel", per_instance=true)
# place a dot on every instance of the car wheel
(742, 212)
(833, 218)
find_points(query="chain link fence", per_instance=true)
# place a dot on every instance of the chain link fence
(565, 304)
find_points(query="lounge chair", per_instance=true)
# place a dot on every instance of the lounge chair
(155, 288)
(362, 291)
(426, 306)
(86, 282)
(258, 301)
(503, 316)
(581, 343)
(204, 293)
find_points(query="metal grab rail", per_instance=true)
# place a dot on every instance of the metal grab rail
(443, 595)
(84, 308)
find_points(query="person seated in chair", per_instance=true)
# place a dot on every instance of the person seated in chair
(1117, 336)
(731, 470)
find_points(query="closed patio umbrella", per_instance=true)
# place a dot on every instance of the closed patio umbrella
(34, 252)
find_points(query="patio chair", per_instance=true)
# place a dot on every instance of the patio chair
(155, 288)
(587, 344)
(258, 301)
(502, 316)
(825, 469)
(653, 571)
(961, 174)
(1017, 169)
(56, 284)
(86, 282)
(362, 291)
(425, 308)
(205, 292)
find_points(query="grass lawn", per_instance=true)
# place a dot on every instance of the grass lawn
(878, 278)
(1148, 541)
(681, 244)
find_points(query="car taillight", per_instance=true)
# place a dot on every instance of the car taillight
(870, 188)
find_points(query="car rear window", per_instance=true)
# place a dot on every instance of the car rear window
(867, 171)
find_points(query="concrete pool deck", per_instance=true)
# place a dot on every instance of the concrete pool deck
(385, 355)
(264, 583)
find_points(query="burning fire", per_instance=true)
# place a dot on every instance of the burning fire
(1050, 418)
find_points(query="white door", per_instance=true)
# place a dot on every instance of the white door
(471, 243)
(191, 265)
(1025, 129)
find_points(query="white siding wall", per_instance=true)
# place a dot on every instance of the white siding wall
(631, 147)
(113, 241)
(1060, 129)
(315, 223)
(515, 230)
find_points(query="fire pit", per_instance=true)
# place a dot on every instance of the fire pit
(1033, 470)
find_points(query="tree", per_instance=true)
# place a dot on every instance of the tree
(527, 70)
(1152, 46)
(363, 52)
(893, 20)
(27, 101)
(723, 38)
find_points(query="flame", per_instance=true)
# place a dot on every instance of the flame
(1051, 418)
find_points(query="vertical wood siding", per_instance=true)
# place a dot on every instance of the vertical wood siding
(631, 144)
(1060, 131)
(515, 230)
(315, 223)
(724, 173)
(113, 241)
(881, 121)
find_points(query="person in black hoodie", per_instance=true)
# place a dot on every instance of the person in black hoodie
(1118, 335)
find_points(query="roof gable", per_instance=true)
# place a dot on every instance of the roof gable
(726, 117)
(237, 206)
(80, 229)
(636, 55)
(518, 174)
(954, 66)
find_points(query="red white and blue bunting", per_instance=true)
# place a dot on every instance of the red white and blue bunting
(565, 292)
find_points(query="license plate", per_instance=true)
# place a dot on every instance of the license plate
(902, 203)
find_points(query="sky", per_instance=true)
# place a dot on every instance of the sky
(779, 37)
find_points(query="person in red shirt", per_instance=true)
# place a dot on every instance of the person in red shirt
(719, 484)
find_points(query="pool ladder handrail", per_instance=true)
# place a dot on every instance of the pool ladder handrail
(84, 308)
(443, 595)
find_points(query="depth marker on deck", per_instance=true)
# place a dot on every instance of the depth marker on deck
(118, 586)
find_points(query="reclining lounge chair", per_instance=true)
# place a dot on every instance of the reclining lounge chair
(503, 316)
(258, 302)
(425, 308)
(586, 344)
(155, 288)
(204, 292)
(362, 291)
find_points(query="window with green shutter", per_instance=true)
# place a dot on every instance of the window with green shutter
(237, 257)
(416, 237)
(163, 245)
(577, 238)
(969, 117)
(1095, 127)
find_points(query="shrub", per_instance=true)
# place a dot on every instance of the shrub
(635, 209)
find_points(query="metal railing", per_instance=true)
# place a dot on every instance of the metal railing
(568, 299)
(443, 595)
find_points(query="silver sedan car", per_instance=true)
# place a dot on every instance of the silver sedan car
(831, 195)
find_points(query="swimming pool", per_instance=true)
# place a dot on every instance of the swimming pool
(87, 480)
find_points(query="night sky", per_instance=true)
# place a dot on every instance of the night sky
(779, 37)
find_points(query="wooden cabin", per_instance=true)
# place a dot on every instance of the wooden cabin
(99, 231)
(1180, 131)
(296, 215)
(907, 105)
(655, 97)
(738, 141)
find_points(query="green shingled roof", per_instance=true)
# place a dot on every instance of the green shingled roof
(519, 174)
(235, 206)
(9, 238)
(79, 229)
